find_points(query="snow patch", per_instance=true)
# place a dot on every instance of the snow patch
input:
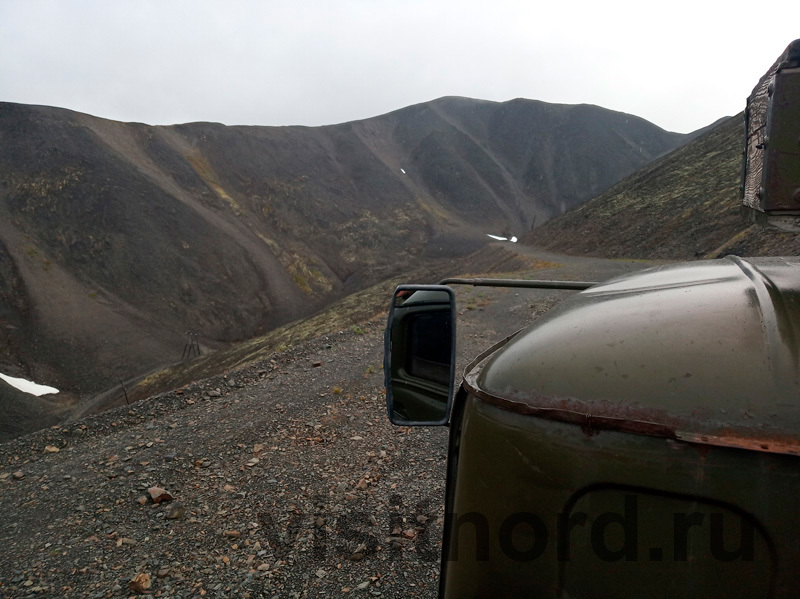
(498, 238)
(28, 386)
(403, 171)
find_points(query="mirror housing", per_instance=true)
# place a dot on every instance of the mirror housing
(419, 355)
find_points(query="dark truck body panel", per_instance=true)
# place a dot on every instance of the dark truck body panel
(771, 158)
(667, 402)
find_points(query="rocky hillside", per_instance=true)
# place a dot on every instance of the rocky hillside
(282, 479)
(683, 206)
(118, 238)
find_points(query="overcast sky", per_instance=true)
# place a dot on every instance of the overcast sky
(680, 64)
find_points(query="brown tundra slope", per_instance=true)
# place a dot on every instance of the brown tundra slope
(118, 238)
(684, 205)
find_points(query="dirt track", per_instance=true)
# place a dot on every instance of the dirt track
(291, 481)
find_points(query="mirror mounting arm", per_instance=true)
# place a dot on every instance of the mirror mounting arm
(521, 283)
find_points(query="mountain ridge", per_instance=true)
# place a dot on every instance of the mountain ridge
(117, 238)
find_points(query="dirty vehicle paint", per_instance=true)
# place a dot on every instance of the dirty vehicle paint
(642, 439)
(703, 352)
(639, 440)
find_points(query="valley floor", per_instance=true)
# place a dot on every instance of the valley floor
(286, 478)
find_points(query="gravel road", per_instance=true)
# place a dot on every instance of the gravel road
(282, 480)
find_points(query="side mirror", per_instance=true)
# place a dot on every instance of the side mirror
(419, 355)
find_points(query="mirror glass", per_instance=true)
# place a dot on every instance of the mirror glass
(420, 350)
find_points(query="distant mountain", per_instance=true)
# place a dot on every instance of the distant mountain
(683, 206)
(117, 238)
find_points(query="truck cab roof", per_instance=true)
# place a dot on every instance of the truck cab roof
(705, 352)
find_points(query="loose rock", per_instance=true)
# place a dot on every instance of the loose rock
(175, 511)
(140, 583)
(157, 494)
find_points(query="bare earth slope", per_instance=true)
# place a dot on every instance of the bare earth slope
(683, 206)
(117, 238)
(291, 480)
(23, 413)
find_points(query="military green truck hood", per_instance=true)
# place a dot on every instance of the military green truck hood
(704, 352)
